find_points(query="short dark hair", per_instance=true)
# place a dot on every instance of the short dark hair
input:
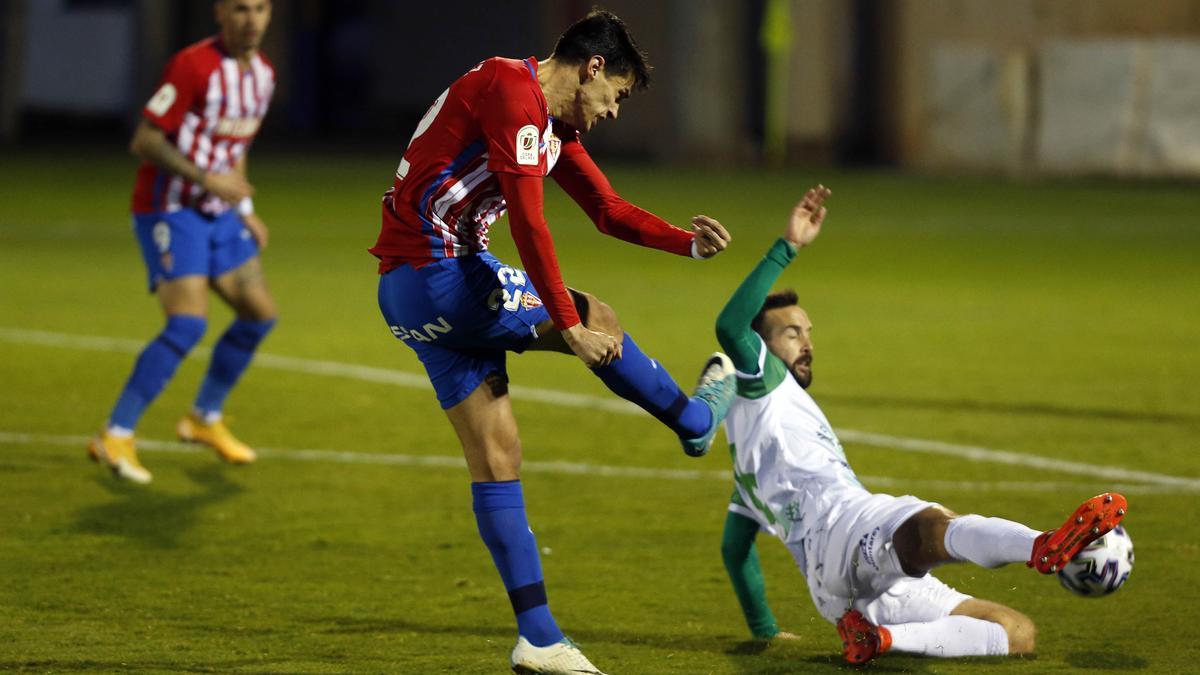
(785, 298)
(603, 33)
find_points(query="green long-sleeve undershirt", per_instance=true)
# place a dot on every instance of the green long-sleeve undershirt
(744, 347)
(734, 333)
(745, 573)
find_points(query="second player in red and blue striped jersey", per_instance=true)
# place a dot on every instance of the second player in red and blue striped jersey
(210, 107)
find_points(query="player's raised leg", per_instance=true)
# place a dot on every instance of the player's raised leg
(184, 300)
(637, 378)
(244, 289)
(936, 536)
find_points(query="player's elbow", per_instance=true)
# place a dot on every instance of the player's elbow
(726, 333)
(139, 145)
(734, 556)
(145, 139)
(735, 551)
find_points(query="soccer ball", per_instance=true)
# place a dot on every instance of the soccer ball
(1101, 567)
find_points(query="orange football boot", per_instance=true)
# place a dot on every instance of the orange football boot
(1092, 520)
(861, 639)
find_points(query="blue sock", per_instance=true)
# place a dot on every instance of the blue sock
(637, 378)
(155, 366)
(229, 360)
(500, 514)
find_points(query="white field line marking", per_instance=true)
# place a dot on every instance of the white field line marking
(570, 468)
(612, 404)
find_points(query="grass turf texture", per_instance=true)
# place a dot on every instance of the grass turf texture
(1057, 320)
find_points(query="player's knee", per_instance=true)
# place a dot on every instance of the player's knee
(1022, 633)
(731, 552)
(183, 332)
(920, 540)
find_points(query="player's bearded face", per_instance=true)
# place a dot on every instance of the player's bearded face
(599, 98)
(243, 23)
(788, 334)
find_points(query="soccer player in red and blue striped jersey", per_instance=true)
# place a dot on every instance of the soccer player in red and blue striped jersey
(195, 223)
(483, 149)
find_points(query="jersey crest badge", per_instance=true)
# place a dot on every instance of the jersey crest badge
(530, 301)
(527, 145)
(553, 148)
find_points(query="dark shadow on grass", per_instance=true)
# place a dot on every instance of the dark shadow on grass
(1032, 409)
(891, 663)
(358, 626)
(153, 518)
(354, 625)
(133, 666)
(1098, 660)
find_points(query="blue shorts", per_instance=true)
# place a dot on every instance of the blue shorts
(185, 243)
(461, 315)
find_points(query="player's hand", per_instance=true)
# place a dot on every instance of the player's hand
(258, 229)
(710, 236)
(592, 347)
(232, 186)
(807, 216)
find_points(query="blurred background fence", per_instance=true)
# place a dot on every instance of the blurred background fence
(1015, 87)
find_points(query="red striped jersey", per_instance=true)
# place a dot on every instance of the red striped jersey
(445, 195)
(492, 122)
(210, 108)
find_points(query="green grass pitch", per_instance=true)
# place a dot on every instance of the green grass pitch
(1055, 321)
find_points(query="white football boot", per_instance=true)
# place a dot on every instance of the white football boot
(560, 658)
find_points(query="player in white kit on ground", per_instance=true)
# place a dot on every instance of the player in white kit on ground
(866, 556)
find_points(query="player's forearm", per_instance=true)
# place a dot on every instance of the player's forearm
(745, 574)
(583, 181)
(151, 144)
(734, 320)
(617, 218)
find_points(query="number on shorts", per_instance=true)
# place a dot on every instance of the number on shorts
(162, 236)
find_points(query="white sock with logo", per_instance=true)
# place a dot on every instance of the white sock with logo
(989, 542)
(950, 637)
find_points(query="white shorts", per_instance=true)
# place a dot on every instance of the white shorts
(851, 563)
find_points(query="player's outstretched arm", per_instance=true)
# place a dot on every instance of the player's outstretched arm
(151, 144)
(745, 574)
(577, 174)
(734, 333)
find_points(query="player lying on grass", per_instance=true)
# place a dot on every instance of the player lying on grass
(866, 556)
(194, 220)
(484, 148)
